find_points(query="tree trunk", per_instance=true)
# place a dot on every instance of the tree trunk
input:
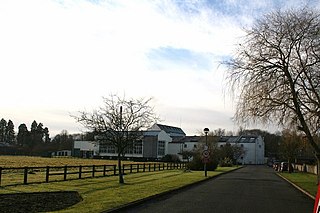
(121, 180)
(318, 167)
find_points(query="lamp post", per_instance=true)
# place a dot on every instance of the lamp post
(206, 130)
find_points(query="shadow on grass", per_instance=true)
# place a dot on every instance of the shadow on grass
(39, 201)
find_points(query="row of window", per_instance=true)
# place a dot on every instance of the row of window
(186, 146)
(111, 149)
(136, 149)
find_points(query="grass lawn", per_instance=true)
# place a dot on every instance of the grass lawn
(306, 181)
(22, 161)
(106, 193)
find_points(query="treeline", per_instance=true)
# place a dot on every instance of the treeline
(33, 141)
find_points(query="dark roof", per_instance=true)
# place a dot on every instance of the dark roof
(230, 139)
(238, 139)
(171, 129)
(185, 139)
(247, 139)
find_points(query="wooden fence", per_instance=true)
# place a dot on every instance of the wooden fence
(306, 168)
(26, 175)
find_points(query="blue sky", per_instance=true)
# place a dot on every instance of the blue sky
(61, 56)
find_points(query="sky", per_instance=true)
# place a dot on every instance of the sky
(58, 57)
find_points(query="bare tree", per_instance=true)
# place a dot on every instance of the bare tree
(119, 123)
(290, 146)
(276, 72)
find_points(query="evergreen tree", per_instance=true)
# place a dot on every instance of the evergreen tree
(3, 127)
(47, 138)
(23, 137)
(34, 138)
(39, 134)
(10, 134)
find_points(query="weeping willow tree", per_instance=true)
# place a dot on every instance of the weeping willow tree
(119, 123)
(276, 72)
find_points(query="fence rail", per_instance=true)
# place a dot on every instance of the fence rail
(26, 175)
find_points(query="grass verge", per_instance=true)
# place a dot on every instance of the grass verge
(305, 181)
(105, 193)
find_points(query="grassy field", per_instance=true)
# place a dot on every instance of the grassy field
(57, 168)
(22, 161)
(106, 193)
(306, 181)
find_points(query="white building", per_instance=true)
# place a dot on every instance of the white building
(153, 145)
(61, 153)
(85, 149)
(180, 144)
(253, 147)
(161, 140)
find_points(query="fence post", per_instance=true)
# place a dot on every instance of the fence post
(159, 166)
(80, 171)
(163, 166)
(114, 169)
(0, 174)
(149, 167)
(144, 167)
(104, 170)
(154, 167)
(93, 170)
(137, 168)
(130, 168)
(47, 174)
(65, 172)
(167, 166)
(25, 175)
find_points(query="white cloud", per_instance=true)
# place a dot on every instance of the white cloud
(63, 56)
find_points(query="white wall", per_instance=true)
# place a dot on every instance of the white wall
(163, 136)
(175, 148)
(254, 152)
(87, 146)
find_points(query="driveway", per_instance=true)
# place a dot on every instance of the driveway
(252, 189)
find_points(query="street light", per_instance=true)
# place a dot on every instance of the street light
(205, 151)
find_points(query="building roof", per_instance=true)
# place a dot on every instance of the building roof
(186, 139)
(238, 139)
(171, 130)
(247, 139)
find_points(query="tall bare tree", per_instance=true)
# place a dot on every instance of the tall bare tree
(290, 146)
(119, 123)
(276, 72)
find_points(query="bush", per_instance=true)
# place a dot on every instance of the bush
(225, 162)
(197, 164)
(170, 158)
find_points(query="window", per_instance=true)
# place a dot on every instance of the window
(107, 149)
(137, 149)
(185, 146)
(161, 147)
(195, 146)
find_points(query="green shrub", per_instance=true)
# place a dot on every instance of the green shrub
(225, 162)
(198, 165)
(170, 158)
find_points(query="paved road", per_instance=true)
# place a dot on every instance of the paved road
(253, 189)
